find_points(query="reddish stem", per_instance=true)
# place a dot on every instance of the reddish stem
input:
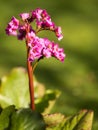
(30, 73)
(31, 82)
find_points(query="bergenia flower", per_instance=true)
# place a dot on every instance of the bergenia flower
(36, 46)
(36, 14)
(21, 32)
(58, 32)
(39, 47)
(43, 20)
(47, 50)
(12, 27)
(24, 16)
(42, 47)
(58, 52)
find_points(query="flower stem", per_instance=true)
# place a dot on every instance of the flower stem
(30, 71)
(31, 82)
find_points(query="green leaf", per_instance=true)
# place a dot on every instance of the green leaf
(73, 121)
(14, 89)
(5, 117)
(26, 119)
(52, 120)
(86, 122)
(80, 121)
(45, 103)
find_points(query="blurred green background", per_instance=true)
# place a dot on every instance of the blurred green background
(77, 77)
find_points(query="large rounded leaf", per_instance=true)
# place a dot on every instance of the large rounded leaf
(26, 119)
(5, 117)
(14, 89)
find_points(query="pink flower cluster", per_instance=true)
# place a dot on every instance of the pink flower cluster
(39, 47)
(42, 47)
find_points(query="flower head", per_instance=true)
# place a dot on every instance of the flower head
(43, 20)
(12, 26)
(42, 47)
(38, 47)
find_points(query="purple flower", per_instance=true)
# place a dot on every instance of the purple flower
(35, 53)
(47, 50)
(43, 20)
(12, 27)
(14, 23)
(21, 32)
(58, 52)
(38, 47)
(31, 35)
(36, 14)
(42, 47)
(58, 33)
(24, 16)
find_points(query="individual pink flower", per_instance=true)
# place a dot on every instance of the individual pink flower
(12, 27)
(36, 14)
(58, 52)
(14, 23)
(35, 53)
(47, 50)
(21, 32)
(35, 41)
(36, 47)
(58, 32)
(31, 35)
(24, 16)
